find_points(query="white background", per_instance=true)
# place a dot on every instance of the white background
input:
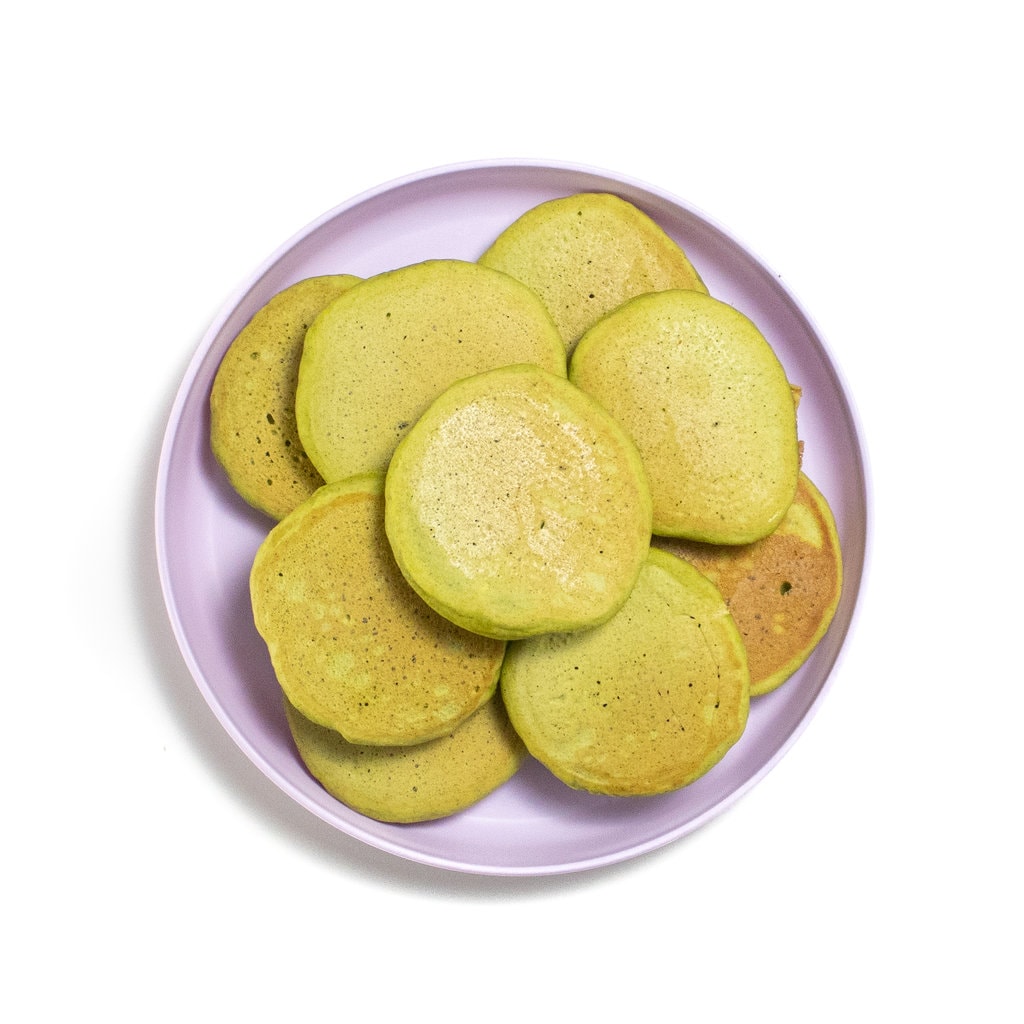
(154, 156)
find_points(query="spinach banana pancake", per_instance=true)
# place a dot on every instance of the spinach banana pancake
(413, 783)
(586, 254)
(353, 646)
(377, 357)
(516, 505)
(704, 396)
(643, 704)
(253, 432)
(782, 591)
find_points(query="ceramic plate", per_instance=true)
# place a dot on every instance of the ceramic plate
(207, 536)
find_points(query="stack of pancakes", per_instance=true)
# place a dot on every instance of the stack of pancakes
(547, 503)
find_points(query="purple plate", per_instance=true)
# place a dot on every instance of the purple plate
(207, 536)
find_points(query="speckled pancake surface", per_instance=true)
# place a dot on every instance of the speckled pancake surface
(586, 254)
(413, 783)
(517, 505)
(253, 432)
(352, 645)
(705, 398)
(782, 591)
(646, 702)
(375, 359)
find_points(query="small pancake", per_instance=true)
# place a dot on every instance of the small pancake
(413, 783)
(586, 254)
(252, 403)
(706, 400)
(353, 647)
(376, 358)
(643, 704)
(782, 591)
(516, 505)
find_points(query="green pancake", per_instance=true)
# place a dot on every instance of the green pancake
(516, 505)
(253, 432)
(701, 392)
(377, 357)
(782, 590)
(586, 254)
(353, 647)
(643, 704)
(413, 783)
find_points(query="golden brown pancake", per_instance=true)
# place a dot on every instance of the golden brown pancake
(375, 359)
(516, 505)
(706, 400)
(413, 783)
(586, 254)
(252, 403)
(782, 591)
(352, 645)
(643, 704)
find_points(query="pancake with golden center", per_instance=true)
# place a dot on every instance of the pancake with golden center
(376, 358)
(516, 505)
(782, 591)
(253, 432)
(643, 704)
(353, 647)
(703, 394)
(586, 254)
(413, 783)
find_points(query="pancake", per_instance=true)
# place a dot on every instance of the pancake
(413, 783)
(252, 403)
(782, 591)
(516, 505)
(706, 400)
(643, 704)
(376, 358)
(586, 254)
(353, 647)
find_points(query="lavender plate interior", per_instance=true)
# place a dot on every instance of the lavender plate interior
(207, 536)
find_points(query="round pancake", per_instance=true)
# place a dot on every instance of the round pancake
(413, 783)
(586, 254)
(782, 590)
(376, 358)
(252, 403)
(516, 505)
(708, 404)
(643, 704)
(353, 647)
